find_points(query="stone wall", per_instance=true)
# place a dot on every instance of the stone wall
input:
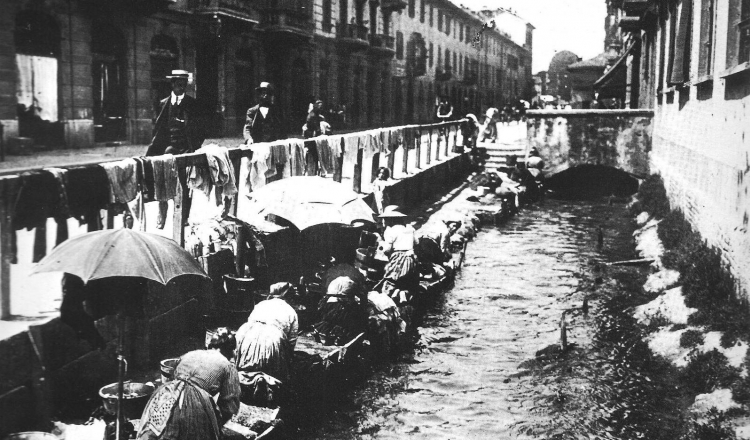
(616, 138)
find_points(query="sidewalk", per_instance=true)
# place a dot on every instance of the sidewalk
(68, 157)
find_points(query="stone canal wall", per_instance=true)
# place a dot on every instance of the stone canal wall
(616, 138)
(45, 367)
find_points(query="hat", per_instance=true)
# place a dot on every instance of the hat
(453, 219)
(280, 290)
(391, 211)
(184, 74)
(264, 85)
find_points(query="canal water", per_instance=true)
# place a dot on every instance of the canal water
(476, 371)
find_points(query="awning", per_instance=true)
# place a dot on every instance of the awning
(612, 83)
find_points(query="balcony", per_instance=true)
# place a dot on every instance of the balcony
(354, 36)
(393, 5)
(443, 75)
(635, 6)
(140, 7)
(383, 44)
(236, 9)
(630, 24)
(280, 23)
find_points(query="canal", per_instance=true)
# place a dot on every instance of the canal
(476, 372)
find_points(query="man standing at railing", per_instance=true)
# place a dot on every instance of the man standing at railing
(444, 114)
(178, 128)
(263, 123)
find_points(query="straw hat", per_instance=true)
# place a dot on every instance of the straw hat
(264, 86)
(281, 290)
(391, 211)
(183, 74)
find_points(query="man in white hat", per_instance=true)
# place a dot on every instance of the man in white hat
(263, 123)
(179, 125)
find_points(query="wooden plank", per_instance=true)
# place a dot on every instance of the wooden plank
(405, 165)
(7, 196)
(429, 146)
(337, 172)
(418, 140)
(357, 179)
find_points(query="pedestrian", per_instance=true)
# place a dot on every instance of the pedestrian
(443, 113)
(490, 124)
(262, 122)
(202, 397)
(179, 127)
(315, 125)
(379, 185)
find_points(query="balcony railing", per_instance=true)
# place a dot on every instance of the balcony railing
(354, 35)
(383, 42)
(298, 7)
(635, 6)
(286, 21)
(392, 5)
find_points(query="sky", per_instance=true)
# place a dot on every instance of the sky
(574, 25)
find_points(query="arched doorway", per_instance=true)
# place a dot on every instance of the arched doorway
(165, 57)
(37, 39)
(108, 71)
(300, 95)
(244, 79)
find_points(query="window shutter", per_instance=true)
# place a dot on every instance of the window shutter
(681, 56)
(705, 53)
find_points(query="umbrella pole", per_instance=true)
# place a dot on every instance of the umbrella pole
(120, 376)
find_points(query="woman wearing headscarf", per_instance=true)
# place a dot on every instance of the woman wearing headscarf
(399, 239)
(342, 312)
(265, 343)
(184, 408)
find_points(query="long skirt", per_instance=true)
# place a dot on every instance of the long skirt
(193, 414)
(264, 348)
(403, 270)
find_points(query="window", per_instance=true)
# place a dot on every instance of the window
(422, 11)
(432, 54)
(671, 42)
(431, 14)
(399, 45)
(440, 20)
(412, 5)
(447, 60)
(447, 24)
(327, 12)
(460, 32)
(460, 65)
(682, 34)
(440, 58)
(455, 61)
(662, 54)
(738, 38)
(706, 49)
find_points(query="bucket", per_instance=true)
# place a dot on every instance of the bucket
(135, 397)
(167, 367)
(240, 293)
(31, 435)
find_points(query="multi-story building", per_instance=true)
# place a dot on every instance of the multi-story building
(689, 61)
(80, 72)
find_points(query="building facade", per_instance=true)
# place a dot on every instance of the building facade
(689, 61)
(82, 72)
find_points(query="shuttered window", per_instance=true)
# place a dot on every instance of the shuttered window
(706, 49)
(681, 36)
(738, 33)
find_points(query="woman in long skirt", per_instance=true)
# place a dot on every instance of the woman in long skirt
(265, 343)
(184, 408)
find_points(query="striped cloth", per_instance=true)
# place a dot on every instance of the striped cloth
(402, 264)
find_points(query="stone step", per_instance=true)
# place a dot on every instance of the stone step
(506, 152)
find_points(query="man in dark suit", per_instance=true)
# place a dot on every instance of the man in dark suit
(263, 123)
(179, 125)
(178, 128)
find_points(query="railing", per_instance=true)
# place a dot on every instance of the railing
(235, 5)
(382, 41)
(393, 5)
(353, 30)
(408, 138)
(286, 19)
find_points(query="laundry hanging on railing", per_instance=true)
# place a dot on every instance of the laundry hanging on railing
(165, 176)
(351, 147)
(296, 158)
(88, 192)
(123, 181)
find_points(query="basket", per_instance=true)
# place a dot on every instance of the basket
(135, 397)
(167, 367)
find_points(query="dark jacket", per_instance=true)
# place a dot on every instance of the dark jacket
(193, 125)
(262, 129)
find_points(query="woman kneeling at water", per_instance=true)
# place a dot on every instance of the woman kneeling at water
(265, 343)
(399, 239)
(342, 311)
(184, 408)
